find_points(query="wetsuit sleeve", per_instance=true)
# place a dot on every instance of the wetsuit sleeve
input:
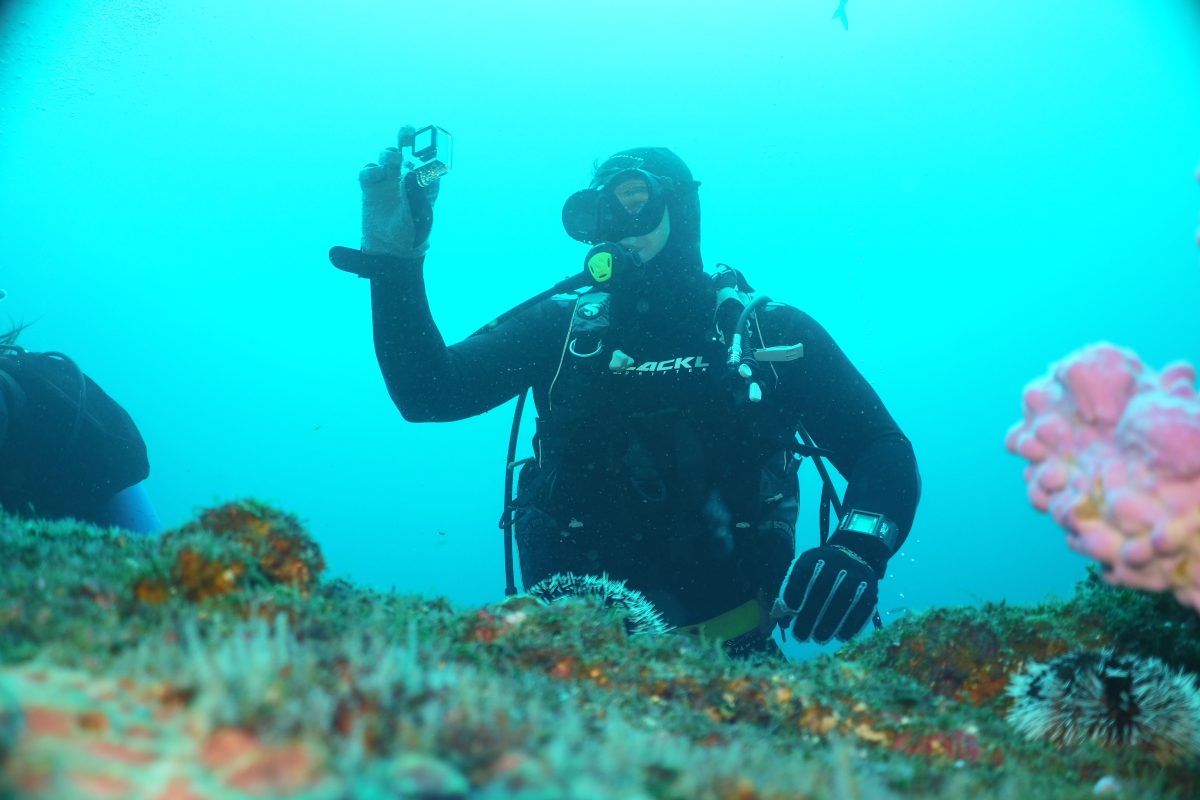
(432, 382)
(844, 415)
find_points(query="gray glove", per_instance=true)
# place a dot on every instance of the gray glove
(397, 214)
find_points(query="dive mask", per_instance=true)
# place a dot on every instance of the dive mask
(630, 203)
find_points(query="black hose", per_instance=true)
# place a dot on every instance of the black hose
(510, 464)
(565, 285)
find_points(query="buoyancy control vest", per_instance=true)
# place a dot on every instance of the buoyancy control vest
(641, 438)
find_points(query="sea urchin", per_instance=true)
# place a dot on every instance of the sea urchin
(640, 614)
(1111, 699)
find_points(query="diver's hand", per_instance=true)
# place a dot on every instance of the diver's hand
(397, 214)
(829, 591)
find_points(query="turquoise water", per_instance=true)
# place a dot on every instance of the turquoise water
(961, 193)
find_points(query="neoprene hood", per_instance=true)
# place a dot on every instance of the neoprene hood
(683, 245)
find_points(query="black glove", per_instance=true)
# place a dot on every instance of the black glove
(829, 591)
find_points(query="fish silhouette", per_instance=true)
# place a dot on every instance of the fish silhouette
(841, 14)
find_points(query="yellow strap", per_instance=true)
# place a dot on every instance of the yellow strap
(730, 625)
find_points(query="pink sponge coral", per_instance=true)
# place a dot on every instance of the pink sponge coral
(1114, 452)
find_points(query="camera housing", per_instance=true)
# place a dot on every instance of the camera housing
(432, 151)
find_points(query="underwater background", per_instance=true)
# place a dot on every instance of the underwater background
(961, 193)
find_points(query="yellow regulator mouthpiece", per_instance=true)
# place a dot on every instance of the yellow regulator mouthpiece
(600, 266)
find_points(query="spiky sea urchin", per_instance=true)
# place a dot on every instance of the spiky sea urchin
(640, 614)
(1111, 699)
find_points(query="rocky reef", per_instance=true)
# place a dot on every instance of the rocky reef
(217, 661)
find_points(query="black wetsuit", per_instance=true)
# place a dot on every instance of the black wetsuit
(66, 447)
(654, 474)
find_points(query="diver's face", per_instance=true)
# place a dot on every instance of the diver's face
(648, 245)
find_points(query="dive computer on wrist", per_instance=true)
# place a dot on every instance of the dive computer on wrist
(873, 536)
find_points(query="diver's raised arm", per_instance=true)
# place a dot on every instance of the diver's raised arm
(427, 380)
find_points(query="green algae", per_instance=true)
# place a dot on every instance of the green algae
(523, 700)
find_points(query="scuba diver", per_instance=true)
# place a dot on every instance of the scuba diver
(669, 402)
(67, 449)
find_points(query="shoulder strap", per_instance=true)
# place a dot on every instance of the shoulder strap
(732, 295)
(590, 320)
